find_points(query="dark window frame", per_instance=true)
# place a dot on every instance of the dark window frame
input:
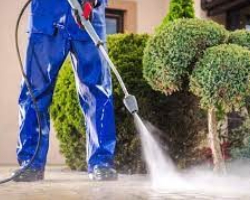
(233, 20)
(238, 19)
(216, 7)
(118, 15)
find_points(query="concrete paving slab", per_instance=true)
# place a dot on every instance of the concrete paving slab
(62, 184)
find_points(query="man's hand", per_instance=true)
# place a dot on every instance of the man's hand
(87, 7)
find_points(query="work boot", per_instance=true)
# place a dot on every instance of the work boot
(29, 175)
(103, 173)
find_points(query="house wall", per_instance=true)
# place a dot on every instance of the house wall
(10, 84)
(141, 16)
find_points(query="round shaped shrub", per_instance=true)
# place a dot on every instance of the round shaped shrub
(171, 53)
(221, 78)
(240, 37)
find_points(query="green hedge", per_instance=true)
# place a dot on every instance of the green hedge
(242, 152)
(222, 78)
(126, 51)
(179, 9)
(177, 116)
(240, 37)
(68, 120)
(171, 53)
(240, 140)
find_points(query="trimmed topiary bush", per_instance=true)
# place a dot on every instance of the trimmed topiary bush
(240, 37)
(171, 53)
(221, 79)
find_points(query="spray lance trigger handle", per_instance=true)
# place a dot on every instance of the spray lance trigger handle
(130, 103)
(87, 7)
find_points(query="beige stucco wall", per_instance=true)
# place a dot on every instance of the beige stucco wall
(9, 81)
(198, 11)
(142, 16)
(9, 85)
(150, 13)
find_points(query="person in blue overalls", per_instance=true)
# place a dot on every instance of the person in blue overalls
(53, 34)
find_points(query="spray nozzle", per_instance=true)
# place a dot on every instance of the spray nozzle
(131, 103)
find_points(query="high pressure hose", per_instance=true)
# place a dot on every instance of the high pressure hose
(26, 81)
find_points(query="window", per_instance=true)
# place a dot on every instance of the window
(238, 19)
(114, 21)
(247, 22)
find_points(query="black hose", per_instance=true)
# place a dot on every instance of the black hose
(38, 115)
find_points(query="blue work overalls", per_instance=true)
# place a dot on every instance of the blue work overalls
(53, 34)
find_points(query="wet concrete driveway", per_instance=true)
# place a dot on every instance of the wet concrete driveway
(61, 184)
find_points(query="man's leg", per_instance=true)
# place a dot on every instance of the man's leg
(45, 55)
(95, 95)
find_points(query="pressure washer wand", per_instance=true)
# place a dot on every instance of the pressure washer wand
(129, 100)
